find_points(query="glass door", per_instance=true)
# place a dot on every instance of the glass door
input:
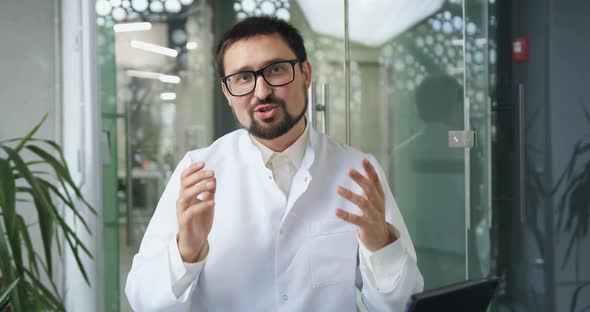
(418, 79)
(322, 26)
(155, 60)
(480, 60)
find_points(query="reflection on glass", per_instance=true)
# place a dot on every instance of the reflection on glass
(415, 84)
(157, 104)
(278, 8)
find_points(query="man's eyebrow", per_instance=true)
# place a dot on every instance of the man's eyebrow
(249, 68)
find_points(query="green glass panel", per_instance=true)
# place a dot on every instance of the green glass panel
(477, 86)
(407, 93)
(108, 93)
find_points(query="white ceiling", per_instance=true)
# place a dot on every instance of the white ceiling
(371, 22)
(129, 57)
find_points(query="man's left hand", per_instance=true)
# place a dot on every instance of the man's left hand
(374, 232)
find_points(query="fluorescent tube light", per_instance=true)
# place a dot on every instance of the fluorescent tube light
(143, 74)
(154, 48)
(169, 78)
(191, 45)
(125, 27)
(152, 75)
(168, 96)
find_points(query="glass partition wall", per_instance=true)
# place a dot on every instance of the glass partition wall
(390, 79)
(419, 77)
(157, 95)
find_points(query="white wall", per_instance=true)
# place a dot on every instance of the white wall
(29, 66)
(81, 136)
(27, 62)
(47, 65)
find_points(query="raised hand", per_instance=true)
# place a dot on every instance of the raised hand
(194, 210)
(374, 231)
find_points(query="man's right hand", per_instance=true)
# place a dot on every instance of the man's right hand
(194, 210)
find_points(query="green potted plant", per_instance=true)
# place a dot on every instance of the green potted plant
(5, 295)
(574, 204)
(44, 181)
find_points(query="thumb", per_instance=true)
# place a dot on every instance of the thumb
(208, 196)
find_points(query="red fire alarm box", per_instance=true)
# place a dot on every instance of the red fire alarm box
(520, 49)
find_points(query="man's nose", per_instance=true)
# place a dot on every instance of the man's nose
(262, 90)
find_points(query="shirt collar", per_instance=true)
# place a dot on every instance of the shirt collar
(294, 152)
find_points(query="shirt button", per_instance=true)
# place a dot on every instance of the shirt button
(285, 297)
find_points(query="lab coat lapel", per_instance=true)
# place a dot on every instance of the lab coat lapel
(303, 176)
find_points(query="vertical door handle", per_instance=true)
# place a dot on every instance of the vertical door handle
(313, 107)
(311, 104)
(323, 108)
(521, 152)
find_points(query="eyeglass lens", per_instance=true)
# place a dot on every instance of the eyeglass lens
(276, 74)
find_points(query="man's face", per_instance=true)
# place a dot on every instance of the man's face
(267, 112)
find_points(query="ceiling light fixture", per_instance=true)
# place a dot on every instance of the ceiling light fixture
(154, 48)
(168, 96)
(125, 27)
(152, 75)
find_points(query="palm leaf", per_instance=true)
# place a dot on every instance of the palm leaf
(45, 292)
(77, 256)
(22, 226)
(68, 201)
(42, 203)
(8, 272)
(31, 294)
(5, 295)
(574, 301)
(29, 135)
(60, 168)
(44, 267)
(8, 204)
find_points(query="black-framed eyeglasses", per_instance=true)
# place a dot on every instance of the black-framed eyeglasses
(275, 74)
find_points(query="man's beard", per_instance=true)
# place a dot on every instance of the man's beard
(269, 132)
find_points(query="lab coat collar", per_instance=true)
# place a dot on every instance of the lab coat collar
(302, 178)
(254, 155)
(294, 153)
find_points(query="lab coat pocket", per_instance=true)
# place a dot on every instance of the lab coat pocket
(333, 252)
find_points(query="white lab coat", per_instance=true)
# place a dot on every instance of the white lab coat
(268, 253)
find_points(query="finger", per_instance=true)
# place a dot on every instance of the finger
(350, 217)
(367, 186)
(372, 174)
(189, 195)
(195, 210)
(192, 168)
(196, 177)
(209, 195)
(356, 199)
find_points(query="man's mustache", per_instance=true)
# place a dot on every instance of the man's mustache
(269, 100)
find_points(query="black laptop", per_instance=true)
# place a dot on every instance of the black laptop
(472, 296)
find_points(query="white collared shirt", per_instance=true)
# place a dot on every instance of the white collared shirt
(269, 251)
(284, 165)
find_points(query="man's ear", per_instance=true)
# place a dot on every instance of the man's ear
(226, 93)
(306, 70)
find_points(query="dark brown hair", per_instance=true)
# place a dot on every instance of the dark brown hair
(260, 25)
